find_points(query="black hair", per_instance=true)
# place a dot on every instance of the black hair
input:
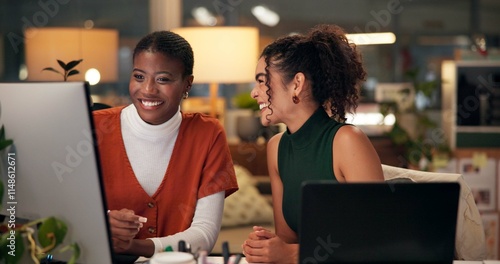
(327, 59)
(169, 44)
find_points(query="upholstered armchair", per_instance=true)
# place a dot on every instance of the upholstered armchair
(470, 239)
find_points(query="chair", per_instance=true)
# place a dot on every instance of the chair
(470, 241)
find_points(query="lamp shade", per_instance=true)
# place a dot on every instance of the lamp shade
(97, 47)
(223, 54)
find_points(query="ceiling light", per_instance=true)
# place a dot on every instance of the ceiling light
(265, 15)
(203, 16)
(372, 38)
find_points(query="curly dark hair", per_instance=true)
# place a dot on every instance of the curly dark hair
(169, 44)
(327, 59)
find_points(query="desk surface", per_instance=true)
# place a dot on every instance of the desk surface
(219, 260)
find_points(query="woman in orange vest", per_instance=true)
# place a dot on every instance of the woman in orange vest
(166, 173)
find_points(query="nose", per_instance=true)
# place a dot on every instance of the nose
(254, 93)
(149, 86)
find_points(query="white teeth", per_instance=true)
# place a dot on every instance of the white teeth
(263, 105)
(151, 103)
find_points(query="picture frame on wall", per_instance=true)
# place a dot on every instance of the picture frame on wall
(480, 175)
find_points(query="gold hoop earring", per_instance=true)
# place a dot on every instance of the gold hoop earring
(186, 95)
(295, 99)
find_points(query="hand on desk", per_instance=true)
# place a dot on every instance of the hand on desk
(263, 245)
(125, 224)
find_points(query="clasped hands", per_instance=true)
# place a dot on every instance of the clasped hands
(125, 225)
(265, 246)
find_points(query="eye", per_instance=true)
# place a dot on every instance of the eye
(162, 79)
(138, 76)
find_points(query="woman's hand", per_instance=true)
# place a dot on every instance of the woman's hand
(124, 227)
(263, 245)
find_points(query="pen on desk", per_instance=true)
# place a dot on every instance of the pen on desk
(238, 258)
(182, 246)
(225, 251)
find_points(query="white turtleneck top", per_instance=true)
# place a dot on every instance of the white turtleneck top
(149, 149)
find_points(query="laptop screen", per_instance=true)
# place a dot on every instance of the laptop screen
(55, 163)
(378, 222)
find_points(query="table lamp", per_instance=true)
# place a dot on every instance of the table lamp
(222, 55)
(97, 47)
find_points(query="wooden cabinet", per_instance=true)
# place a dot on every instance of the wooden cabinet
(250, 155)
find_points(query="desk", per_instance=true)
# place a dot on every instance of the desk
(219, 260)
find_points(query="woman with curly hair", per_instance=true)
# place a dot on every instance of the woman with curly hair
(309, 83)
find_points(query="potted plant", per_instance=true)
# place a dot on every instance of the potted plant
(17, 241)
(67, 68)
(419, 150)
(248, 126)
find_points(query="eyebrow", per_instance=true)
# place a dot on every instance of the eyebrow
(160, 72)
(259, 75)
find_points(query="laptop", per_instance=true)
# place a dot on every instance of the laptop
(56, 163)
(378, 222)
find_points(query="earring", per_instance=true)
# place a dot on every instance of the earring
(186, 94)
(295, 99)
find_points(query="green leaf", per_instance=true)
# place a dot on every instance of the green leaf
(50, 228)
(399, 135)
(51, 69)
(2, 133)
(12, 255)
(5, 143)
(62, 64)
(76, 252)
(1, 193)
(73, 72)
(72, 64)
(245, 100)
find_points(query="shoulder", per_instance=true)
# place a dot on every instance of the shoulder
(349, 134)
(107, 116)
(201, 126)
(201, 120)
(108, 112)
(350, 138)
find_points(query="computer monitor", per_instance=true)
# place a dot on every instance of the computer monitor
(398, 222)
(56, 163)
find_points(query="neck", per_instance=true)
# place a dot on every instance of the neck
(301, 115)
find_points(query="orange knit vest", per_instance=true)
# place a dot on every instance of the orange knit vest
(200, 165)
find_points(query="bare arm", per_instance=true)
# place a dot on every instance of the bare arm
(354, 157)
(262, 245)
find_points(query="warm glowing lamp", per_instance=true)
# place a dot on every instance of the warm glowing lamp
(97, 47)
(222, 55)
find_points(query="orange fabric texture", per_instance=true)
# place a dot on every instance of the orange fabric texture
(200, 165)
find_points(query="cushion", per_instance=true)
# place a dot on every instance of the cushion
(246, 206)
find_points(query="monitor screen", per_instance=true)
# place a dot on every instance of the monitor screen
(55, 163)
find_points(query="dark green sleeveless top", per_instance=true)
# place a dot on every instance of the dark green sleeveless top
(305, 155)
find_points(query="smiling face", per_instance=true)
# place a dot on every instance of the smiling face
(281, 105)
(157, 86)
